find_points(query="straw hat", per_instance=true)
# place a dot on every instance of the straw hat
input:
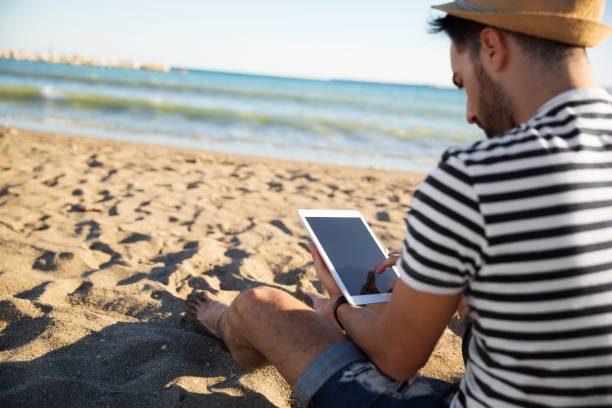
(574, 22)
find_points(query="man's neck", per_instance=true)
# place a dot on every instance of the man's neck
(530, 88)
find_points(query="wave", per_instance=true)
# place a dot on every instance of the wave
(304, 97)
(181, 87)
(20, 93)
(313, 125)
(96, 101)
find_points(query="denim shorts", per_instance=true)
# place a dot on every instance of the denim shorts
(342, 376)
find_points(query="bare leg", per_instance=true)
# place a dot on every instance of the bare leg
(268, 326)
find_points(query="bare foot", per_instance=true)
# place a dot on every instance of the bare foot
(206, 311)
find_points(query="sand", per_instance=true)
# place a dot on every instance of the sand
(102, 241)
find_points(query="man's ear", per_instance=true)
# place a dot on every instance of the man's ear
(493, 49)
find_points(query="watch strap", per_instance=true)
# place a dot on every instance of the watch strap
(340, 301)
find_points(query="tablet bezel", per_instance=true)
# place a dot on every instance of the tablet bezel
(357, 300)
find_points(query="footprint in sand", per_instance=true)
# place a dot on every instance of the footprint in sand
(171, 262)
(106, 196)
(113, 210)
(94, 229)
(108, 176)
(93, 161)
(105, 248)
(40, 225)
(34, 293)
(48, 261)
(19, 325)
(277, 187)
(54, 181)
(383, 216)
(135, 237)
(297, 175)
(280, 225)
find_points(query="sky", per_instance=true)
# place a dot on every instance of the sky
(385, 41)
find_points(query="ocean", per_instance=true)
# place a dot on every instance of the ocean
(399, 127)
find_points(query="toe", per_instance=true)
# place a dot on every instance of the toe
(191, 303)
(195, 301)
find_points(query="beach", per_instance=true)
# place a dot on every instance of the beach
(101, 241)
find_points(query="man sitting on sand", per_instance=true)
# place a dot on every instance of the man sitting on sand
(520, 223)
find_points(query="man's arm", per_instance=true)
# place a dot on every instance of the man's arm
(397, 336)
(400, 340)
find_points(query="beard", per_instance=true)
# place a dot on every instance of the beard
(495, 108)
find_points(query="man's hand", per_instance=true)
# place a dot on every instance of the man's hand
(378, 269)
(386, 264)
(324, 306)
(330, 285)
(323, 273)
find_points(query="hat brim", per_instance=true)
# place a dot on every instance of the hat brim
(576, 31)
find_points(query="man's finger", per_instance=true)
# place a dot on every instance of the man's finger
(319, 263)
(315, 296)
(316, 256)
(387, 263)
(313, 250)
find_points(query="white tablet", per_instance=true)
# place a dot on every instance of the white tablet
(350, 251)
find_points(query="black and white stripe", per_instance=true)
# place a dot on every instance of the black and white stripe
(522, 224)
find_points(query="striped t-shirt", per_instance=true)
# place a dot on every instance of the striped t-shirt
(522, 224)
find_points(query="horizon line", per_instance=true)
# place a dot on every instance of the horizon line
(55, 57)
(172, 67)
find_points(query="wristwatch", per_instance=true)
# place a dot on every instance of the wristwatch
(340, 301)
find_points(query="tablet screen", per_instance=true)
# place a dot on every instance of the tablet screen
(352, 250)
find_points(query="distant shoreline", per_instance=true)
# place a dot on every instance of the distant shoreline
(79, 60)
(75, 59)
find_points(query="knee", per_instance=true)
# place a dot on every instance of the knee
(254, 299)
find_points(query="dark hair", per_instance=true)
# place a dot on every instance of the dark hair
(465, 34)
